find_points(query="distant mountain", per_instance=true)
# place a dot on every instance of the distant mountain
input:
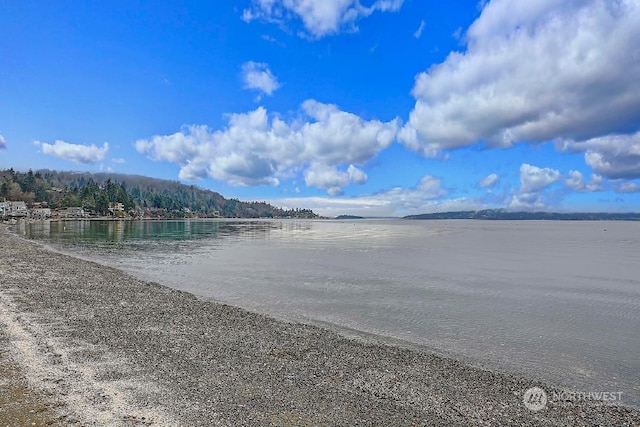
(503, 214)
(349, 217)
(141, 195)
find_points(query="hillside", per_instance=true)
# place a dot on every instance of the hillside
(140, 195)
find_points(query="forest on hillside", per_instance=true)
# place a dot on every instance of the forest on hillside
(140, 196)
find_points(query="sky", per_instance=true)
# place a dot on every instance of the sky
(375, 108)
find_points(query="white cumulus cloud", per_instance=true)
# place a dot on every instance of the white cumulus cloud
(334, 180)
(533, 182)
(533, 178)
(489, 180)
(628, 187)
(76, 153)
(533, 71)
(576, 181)
(418, 199)
(319, 17)
(3, 143)
(258, 76)
(426, 197)
(256, 148)
(614, 156)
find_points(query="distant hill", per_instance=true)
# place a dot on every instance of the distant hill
(349, 217)
(503, 214)
(141, 195)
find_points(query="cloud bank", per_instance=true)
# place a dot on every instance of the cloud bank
(76, 153)
(534, 72)
(426, 196)
(319, 18)
(325, 144)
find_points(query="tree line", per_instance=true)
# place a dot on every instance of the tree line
(139, 195)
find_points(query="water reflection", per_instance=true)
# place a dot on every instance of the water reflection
(98, 232)
(42, 229)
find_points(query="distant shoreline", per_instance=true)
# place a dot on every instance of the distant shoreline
(468, 216)
(505, 215)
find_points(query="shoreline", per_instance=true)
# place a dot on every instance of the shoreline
(116, 350)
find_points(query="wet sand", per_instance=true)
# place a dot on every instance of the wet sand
(91, 345)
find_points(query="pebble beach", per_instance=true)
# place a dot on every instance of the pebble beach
(86, 344)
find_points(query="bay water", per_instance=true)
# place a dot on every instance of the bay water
(555, 300)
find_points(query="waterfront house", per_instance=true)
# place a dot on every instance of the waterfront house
(73, 212)
(41, 213)
(14, 210)
(116, 207)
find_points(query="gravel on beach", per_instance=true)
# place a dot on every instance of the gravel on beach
(91, 345)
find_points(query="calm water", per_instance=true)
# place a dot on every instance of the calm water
(557, 300)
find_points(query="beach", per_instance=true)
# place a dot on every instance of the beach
(87, 344)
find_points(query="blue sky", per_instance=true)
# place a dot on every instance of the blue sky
(380, 107)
